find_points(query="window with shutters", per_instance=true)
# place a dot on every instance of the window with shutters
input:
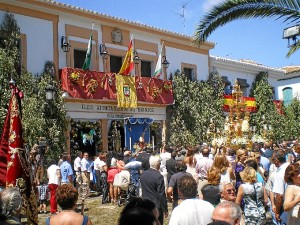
(79, 57)
(287, 96)
(115, 63)
(146, 69)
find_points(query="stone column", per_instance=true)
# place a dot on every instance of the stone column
(67, 135)
(163, 132)
(104, 133)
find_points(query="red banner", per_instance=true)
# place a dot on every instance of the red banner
(278, 104)
(99, 85)
(15, 169)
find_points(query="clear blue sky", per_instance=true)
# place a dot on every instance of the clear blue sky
(259, 40)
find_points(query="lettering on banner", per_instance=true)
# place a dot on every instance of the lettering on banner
(108, 108)
(118, 116)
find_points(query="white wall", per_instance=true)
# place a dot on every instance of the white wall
(294, 83)
(177, 56)
(39, 36)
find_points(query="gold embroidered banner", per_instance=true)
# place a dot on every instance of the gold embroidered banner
(126, 91)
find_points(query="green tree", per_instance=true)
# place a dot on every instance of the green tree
(267, 115)
(9, 57)
(292, 112)
(196, 102)
(41, 117)
(231, 10)
(36, 119)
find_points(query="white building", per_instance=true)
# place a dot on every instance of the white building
(47, 25)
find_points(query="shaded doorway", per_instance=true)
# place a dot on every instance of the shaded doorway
(116, 136)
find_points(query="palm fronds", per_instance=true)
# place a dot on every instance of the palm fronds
(230, 10)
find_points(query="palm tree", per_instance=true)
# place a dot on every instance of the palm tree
(231, 10)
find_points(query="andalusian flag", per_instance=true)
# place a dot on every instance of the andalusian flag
(128, 64)
(88, 56)
(126, 92)
(158, 68)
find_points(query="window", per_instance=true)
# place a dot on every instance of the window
(115, 64)
(189, 70)
(189, 73)
(227, 85)
(273, 91)
(146, 69)
(287, 96)
(243, 85)
(79, 57)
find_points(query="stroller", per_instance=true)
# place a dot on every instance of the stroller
(127, 188)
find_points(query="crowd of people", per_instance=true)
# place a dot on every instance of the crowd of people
(257, 185)
(203, 185)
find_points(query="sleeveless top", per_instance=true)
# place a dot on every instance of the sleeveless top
(293, 214)
(225, 177)
(254, 209)
(84, 222)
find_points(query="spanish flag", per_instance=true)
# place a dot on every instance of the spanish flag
(228, 101)
(126, 91)
(250, 103)
(128, 64)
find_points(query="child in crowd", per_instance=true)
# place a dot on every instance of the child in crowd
(43, 192)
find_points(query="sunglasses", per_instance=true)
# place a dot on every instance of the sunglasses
(230, 190)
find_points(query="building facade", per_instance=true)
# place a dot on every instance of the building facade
(47, 27)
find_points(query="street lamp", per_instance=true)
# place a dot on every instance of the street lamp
(165, 62)
(136, 60)
(103, 51)
(104, 54)
(291, 33)
(50, 95)
(64, 44)
(50, 92)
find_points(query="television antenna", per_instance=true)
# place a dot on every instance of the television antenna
(182, 13)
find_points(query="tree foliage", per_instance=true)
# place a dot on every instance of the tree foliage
(292, 117)
(196, 102)
(267, 116)
(40, 118)
(9, 56)
(231, 10)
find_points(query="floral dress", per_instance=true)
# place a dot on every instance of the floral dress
(254, 203)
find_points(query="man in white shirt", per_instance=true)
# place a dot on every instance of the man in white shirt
(77, 168)
(165, 154)
(53, 174)
(191, 210)
(279, 186)
(98, 165)
(85, 168)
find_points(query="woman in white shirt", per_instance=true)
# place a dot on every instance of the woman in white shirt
(292, 193)
(227, 173)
